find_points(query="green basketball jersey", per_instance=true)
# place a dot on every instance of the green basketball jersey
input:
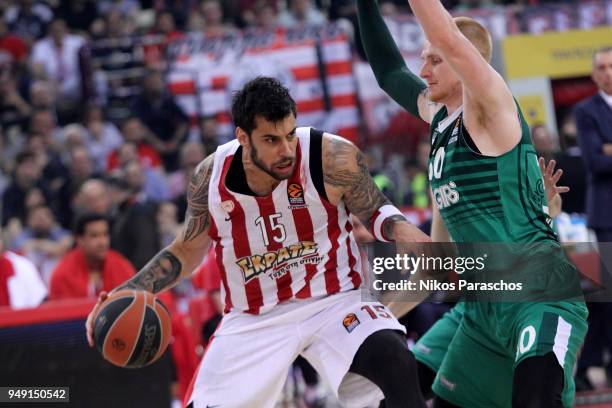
(482, 198)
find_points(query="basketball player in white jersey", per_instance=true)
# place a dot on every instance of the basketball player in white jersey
(275, 203)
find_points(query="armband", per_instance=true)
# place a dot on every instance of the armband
(377, 220)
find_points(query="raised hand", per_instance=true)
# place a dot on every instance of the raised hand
(551, 178)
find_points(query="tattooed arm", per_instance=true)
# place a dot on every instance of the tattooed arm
(347, 178)
(178, 260)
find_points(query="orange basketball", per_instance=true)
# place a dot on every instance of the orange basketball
(132, 329)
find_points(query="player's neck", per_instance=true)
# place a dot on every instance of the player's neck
(260, 182)
(453, 103)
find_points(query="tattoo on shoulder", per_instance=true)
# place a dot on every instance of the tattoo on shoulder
(197, 199)
(161, 272)
(345, 168)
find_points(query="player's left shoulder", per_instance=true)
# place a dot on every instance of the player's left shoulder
(338, 153)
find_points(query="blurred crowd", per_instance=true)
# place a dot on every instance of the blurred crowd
(79, 175)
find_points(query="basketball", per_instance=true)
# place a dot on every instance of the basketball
(132, 328)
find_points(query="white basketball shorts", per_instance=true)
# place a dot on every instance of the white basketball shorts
(246, 363)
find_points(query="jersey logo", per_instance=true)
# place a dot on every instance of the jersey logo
(446, 195)
(436, 164)
(350, 322)
(295, 194)
(279, 262)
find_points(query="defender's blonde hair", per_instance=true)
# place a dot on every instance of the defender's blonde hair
(477, 35)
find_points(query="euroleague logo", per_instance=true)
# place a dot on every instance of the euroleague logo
(295, 194)
(118, 344)
(350, 322)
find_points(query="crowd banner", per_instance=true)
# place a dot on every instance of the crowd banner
(315, 63)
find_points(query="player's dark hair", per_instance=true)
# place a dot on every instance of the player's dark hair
(265, 97)
(84, 219)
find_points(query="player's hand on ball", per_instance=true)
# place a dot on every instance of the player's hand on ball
(90, 318)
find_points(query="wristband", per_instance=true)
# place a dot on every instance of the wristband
(377, 220)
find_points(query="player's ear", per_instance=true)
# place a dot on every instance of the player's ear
(242, 137)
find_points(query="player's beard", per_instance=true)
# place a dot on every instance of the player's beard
(269, 170)
(441, 95)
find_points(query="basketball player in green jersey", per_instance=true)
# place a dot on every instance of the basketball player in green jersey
(487, 187)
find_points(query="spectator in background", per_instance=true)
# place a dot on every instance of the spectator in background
(13, 49)
(301, 13)
(135, 233)
(165, 29)
(92, 266)
(264, 15)
(191, 155)
(78, 14)
(167, 220)
(42, 96)
(574, 173)
(594, 122)
(167, 124)
(14, 109)
(180, 10)
(543, 141)
(150, 184)
(102, 137)
(20, 284)
(44, 123)
(42, 241)
(123, 7)
(28, 19)
(380, 177)
(54, 172)
(94, 196)
(81, 169)
(416, 173)
(212, 15)
(27, 176)
(134, 132)
(211, 137)
(73, 135)
(56, 58)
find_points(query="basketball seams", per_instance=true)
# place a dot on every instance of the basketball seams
(142, 318)
(118, 318)
(162, 336)
(163, 325)
(135, 304)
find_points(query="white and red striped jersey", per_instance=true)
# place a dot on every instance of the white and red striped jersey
(291, 244)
